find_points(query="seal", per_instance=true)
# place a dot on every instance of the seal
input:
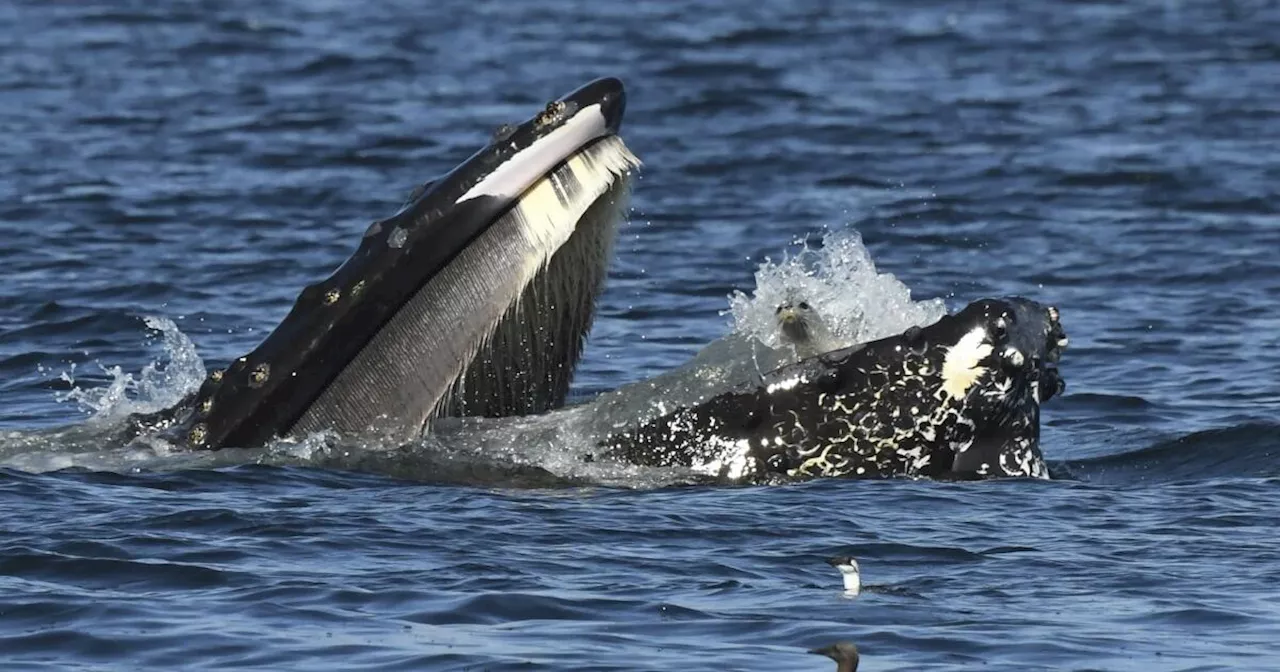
(958, 399)
(802, 328)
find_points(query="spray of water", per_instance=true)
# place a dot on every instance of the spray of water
(158, 385)
(840, 281)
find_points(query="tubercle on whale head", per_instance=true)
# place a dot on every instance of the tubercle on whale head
(1015, 323)
(608, 93)
(996, 347)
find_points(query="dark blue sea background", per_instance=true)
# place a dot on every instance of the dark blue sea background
(199, 162)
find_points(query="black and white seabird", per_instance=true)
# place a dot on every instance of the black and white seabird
(848, 567)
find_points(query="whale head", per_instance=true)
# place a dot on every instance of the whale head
(475, 298)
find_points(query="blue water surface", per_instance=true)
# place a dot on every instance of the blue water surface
(202, 161)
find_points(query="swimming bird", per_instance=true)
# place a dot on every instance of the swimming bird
(801, 327)
(844, 653)
(849, 570)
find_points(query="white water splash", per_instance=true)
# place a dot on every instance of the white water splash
(840, 281)
(159, 385)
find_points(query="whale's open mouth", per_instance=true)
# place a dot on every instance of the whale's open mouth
(474, 299)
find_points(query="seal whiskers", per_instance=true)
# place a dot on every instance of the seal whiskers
(801, 327)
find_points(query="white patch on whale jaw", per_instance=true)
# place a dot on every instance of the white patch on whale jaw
(1023, 459)
(535, 161)
(963, 364)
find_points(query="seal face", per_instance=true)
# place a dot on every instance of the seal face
(957, 399)
(801, 327)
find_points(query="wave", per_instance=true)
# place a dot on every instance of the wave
(1248, 450)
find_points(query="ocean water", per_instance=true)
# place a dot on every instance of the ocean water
(171, 174)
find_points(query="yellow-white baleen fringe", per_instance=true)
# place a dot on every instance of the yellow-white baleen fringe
(500, 329)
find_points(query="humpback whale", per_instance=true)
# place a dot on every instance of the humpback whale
(959, 398)
(474, 299)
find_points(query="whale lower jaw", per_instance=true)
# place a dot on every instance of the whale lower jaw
(495, 329)
(498, 331)
(526, 363)
(474, 298)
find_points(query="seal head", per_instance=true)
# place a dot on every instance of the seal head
(801, 327)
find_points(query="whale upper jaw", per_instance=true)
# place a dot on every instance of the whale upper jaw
(518, 156)
(384, 342)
